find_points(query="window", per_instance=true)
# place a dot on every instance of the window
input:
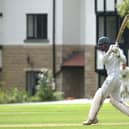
(31, 81)
(107, 25)
(36, 26)
(106, 5)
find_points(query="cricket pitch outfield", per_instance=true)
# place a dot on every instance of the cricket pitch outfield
(58, 116)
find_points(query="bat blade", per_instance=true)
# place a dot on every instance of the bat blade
(122, 28)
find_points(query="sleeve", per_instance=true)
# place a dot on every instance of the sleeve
(127, 72)
(106, 55)
(121, 56)
(116, 52)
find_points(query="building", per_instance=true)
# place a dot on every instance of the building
(59, 35)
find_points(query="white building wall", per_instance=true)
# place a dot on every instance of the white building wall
(1, 21)
(1, 30)
(71, 21)
(75, 20)
(82, 22)
(110, 5)
(90, 22)
(1, 1)
(59, 21)
(14, 18)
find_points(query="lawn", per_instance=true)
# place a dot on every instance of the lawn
(61, 116)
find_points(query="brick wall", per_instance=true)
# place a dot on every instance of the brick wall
(90, 74)
(18, 59)
(59, 79)
(69, 49)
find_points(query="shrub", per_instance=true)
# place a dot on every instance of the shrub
(13, 96)
(44, 91)
(3, 96)
(58, 95)
(44, 87)
(17, 95)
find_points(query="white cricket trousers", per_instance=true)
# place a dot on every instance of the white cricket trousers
(111, 88)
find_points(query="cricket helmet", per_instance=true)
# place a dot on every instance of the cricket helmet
(104, 40)
(103, 43)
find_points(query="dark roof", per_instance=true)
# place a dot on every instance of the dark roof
(76, 60)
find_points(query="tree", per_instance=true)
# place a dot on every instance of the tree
(123, 9)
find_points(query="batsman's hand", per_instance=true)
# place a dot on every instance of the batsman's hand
(114, 49)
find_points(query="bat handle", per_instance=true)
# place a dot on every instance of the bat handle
(116, 43)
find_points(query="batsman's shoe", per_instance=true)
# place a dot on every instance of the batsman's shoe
(90, 122)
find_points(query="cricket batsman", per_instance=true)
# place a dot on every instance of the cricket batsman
(112, 59)
(124, 75)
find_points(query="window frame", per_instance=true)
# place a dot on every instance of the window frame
(32, 81)
(105, 15)
(36, 33)
(104, 6)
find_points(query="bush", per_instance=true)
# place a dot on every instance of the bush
(3, 96)
(17, 95)
(58, 95)
(13, 96)
(44, 91)
(44, 87)
(34, 99)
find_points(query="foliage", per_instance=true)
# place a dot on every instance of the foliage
(58, 95)
(123, 9)
(13, 96)
(34, 98)
(44, 87)
(17, 95)
(44, 91)
(3, 96)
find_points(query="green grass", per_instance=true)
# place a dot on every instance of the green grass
(72, 115)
